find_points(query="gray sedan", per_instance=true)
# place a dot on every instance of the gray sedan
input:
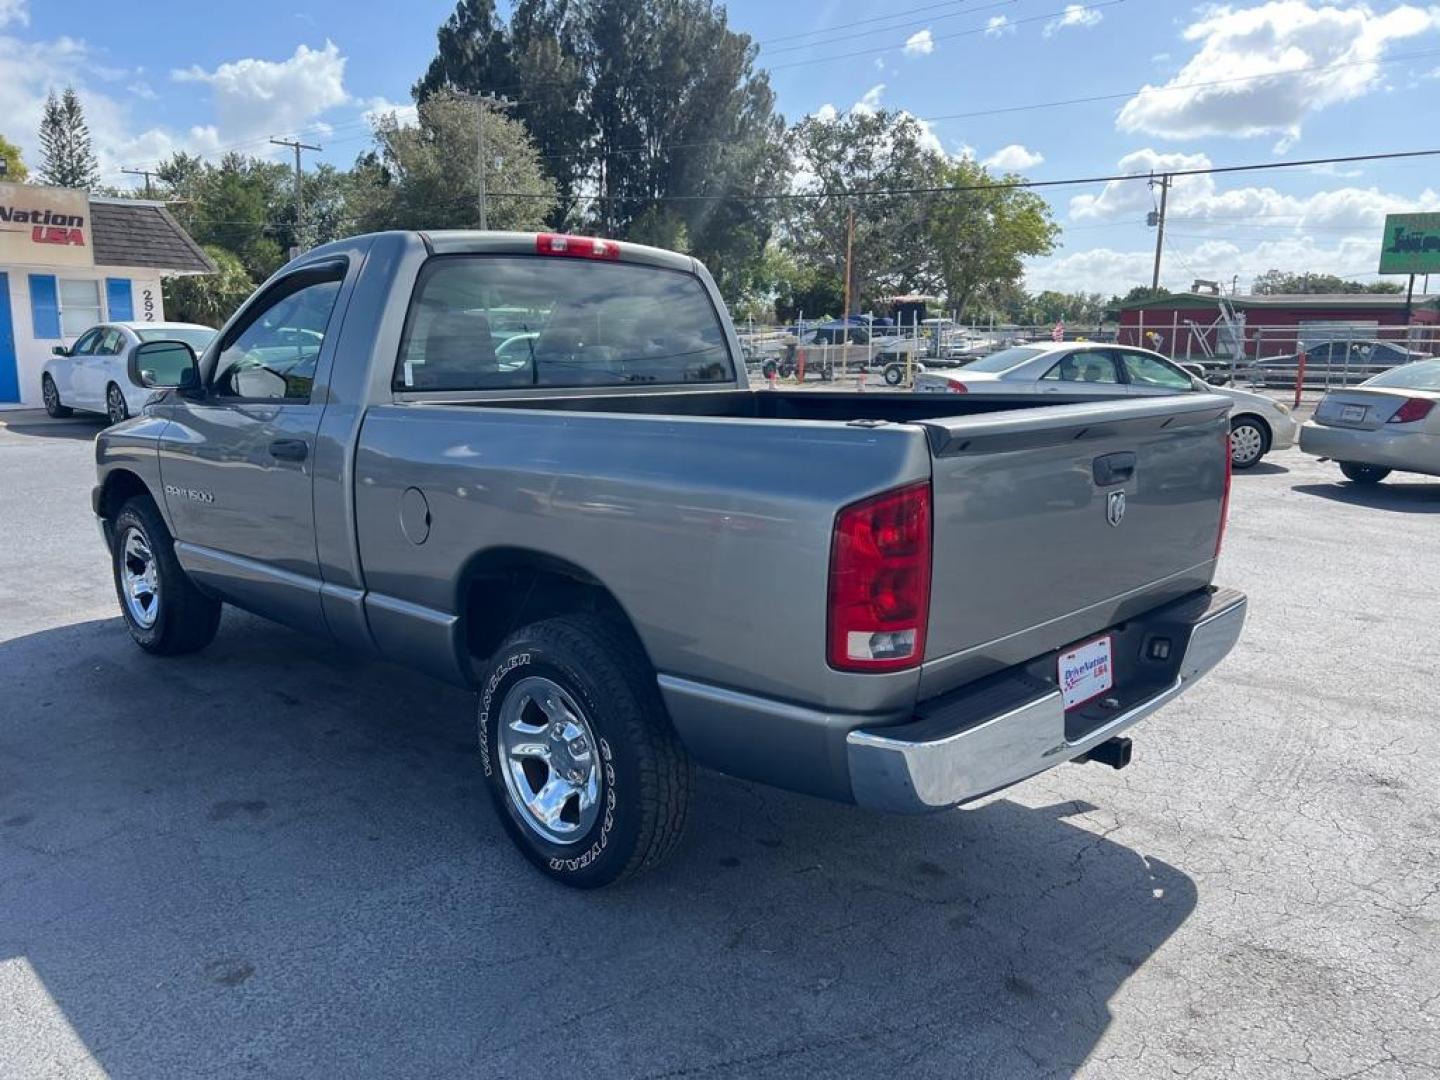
(1388, 423)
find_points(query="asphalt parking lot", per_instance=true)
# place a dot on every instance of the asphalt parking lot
(269, 860)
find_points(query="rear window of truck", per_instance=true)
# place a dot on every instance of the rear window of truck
(486, 322)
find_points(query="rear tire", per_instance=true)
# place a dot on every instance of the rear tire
(894, 374)
(1366, 475)
(51, 395)
(164, 611)
(569, 706)
(116, 407)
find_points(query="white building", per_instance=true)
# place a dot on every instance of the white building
(69, 261)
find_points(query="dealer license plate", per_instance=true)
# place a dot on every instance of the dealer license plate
(1085, 672)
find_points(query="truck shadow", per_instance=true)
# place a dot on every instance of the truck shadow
(82, 427)
(272, 857)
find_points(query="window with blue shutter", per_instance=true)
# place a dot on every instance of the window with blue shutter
(118, 299)
(44, 306)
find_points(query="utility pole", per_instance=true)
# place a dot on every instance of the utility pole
(297, 146)
(849, 246)
(481, 102)
(147, 173)
(1159, 220)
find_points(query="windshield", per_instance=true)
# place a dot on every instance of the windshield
(196, 337)
(1005, 359)
(1424, 375)
(494, 321)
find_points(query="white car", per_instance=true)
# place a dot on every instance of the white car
(1258, 424)
(1386, 423)
(97, 374)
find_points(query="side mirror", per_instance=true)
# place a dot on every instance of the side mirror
(59, 350)
(164, 365)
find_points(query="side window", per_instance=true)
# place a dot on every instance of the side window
(1145, 370)
(272, 352)
(1083, 366)
(111, 343)
(86, 345)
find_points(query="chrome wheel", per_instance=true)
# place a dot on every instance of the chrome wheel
(115, 404)
(1247, 444)
(139, 579)
(550, 760)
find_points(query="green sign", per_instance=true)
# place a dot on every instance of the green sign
(1411, 245)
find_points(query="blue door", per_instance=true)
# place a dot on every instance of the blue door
(9, 369)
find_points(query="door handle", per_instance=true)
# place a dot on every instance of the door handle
(1114, 468)
(289, 449)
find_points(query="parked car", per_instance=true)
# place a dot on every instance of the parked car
(1386, 423)
(1257, 424)
(98, 373)
(616, 546)
(1334, 363)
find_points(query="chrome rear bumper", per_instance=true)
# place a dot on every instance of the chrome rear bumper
(997, 740)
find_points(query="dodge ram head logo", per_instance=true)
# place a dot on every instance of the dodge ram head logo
(1115, 507)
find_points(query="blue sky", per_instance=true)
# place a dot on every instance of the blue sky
(1362, 77)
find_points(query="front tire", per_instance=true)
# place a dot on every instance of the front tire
(51, 395)
(164, 611)
(1366, 475)
(586, 773)
(116, 408)
(1249, 439)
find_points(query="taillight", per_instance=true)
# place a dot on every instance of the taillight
(880, 581)
(953, 387)
(1415, 408)
(1225, 498)
(577, 247)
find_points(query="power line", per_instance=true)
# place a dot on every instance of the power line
(1098, 4)
(801, 46)
(863, 22)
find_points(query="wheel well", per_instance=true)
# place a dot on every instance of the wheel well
(120, 486)
(503, 590)
(1258, 421)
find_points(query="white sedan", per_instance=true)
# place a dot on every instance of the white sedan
(1257, 423)
(1386, 423)
(97, 374)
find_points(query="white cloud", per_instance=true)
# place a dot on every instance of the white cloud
(15, 11)
(1217, 233)
(869, 101)
(1013, 158)
(257, 98)
(920, 43)
(376, 107)
(1073, 15)
(1246, 54)
(997, 25)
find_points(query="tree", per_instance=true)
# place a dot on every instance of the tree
(1279, 282)
(649, 114)
(423, 176)
(840, 160)
(15, 171)
(981, 235)
(66, 157)
(209, 299)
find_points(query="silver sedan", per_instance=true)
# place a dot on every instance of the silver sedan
(1387, 423)
(1257, 423)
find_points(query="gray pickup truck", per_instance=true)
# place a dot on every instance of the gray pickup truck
(531, 465)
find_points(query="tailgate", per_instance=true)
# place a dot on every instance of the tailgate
(1054, 523)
